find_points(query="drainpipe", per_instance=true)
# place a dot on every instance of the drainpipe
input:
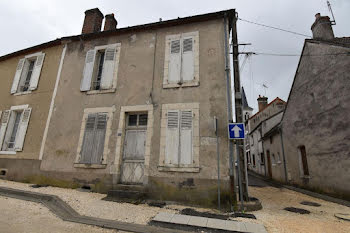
(229, 111)
(284, 157)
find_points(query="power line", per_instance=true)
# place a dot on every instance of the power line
(298, 55)
(276, 28)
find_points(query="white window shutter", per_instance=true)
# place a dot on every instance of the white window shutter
(17, 76)
(108, 67)
(187, 71)
(99, 138)
(172, 138)
(174, 61)
(88, 141)
(4, 121)
(85, 84)
(22, 129)
(36, 72)
(186, 137)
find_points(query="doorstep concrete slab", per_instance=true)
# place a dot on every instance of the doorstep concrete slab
(163, 217)
(211, 223)
(252, 227)
(216, 223)
(180, 219)
(198, 221)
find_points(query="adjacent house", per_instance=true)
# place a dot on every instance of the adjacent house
(268, 116)
(27, 82)
(132, 108)
(315, 124)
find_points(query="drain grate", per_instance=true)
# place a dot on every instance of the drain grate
(297, 210)
(310, 203)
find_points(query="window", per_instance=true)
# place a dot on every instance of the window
(94, 135)
(180, 147)
(101, 69)
(278, 157)
(181, 65)
(137, 119)
(262, 159)
(254, 160)
(273, 159)
(27, 73)
(304, 168)
(13, 128)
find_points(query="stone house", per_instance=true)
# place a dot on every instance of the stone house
(315, 124)
(133, 108)
(260, 123)
(28, 79)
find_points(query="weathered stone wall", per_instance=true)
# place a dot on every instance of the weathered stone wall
(317, 116)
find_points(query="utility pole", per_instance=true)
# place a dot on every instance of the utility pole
(239, 113)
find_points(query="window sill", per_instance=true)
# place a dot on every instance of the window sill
(186, 84)
(85, 165)
(8, 152)
(95, 92)
(178, 169)
(22, 93)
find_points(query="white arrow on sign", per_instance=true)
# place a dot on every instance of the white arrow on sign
(236, 131)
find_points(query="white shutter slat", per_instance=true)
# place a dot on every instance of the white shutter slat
(4, 121)
(187, 59)
(108, 67)
(17, 76)
(22, 129)
(172, 138)
(186, 137)
(85, 84)
(34, 80)
(174, 61)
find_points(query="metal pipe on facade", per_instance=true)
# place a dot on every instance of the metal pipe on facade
(284, 157)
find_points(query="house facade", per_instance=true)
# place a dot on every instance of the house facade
(260, 123)
(27, 83)
(315, 124)
(135, 107)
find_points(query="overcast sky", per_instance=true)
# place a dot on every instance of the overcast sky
(27, 23)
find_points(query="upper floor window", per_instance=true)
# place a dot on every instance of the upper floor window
(27, 73)
(101, 69)
(13, 128)
(181, 64)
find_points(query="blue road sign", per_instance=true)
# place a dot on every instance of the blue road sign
(236, 131)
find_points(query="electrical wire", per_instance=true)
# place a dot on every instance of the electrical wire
(298, 55)
(276, 28)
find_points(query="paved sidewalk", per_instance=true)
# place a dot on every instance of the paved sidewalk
(216, 224)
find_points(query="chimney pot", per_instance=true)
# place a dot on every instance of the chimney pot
(322, 28)
(110, 22)
(93, 21)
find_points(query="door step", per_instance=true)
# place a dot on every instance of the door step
(132, 196)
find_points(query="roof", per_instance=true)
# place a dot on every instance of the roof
(244, 100)
(272, 131)
(273, 101)
(257, 126)
(151, 26)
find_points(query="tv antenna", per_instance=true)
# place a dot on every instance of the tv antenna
(265, 87)
(330, 9)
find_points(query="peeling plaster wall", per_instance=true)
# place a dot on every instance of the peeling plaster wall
(138, 74)
(317, 116)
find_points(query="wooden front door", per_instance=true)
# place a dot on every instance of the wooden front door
(269, 167)
(134, 149)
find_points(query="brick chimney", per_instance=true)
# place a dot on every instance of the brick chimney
(322, 28)
(262, 102)
(93, 21)
(110, 22)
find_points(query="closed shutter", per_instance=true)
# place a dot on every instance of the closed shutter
(99, 138)
(17, 76)
(88, 141)
(174, 61)
(88, 70)
(108, 67)
(36, 72)
(22, 129)
(4, 121)
(172, 138)
(186, 137)
(187, 71)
